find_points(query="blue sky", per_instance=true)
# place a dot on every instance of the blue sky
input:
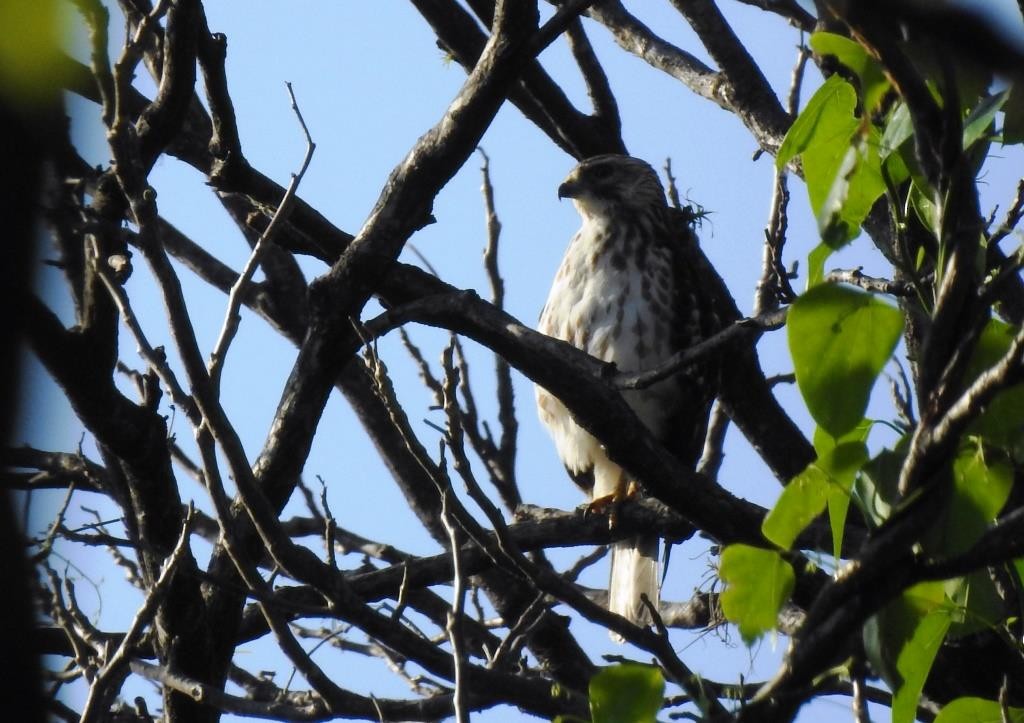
(370, 80)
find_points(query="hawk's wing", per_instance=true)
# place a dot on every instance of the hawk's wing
(584, 479)
(706, 308)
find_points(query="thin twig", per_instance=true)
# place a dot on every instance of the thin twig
(531, 617)
(855, 277)
(670, 185)
(426, 375)
(1007, 271)
(131, 568)
(602, 99)
(97, 17)
(232, 318)
(860, 706)
(1013, 217)
(679, 671)
(286, 641)
(296, 706)
(573, 572)
(902, 395)
(699, 352)
(454, 625)
(1004, 701)
(791, 10)
(504, 475)
(796, 79)
(98, 702)
(330, 528)
(124, 67)
(567, 13)
(493, 233)
(61, 614)
(774, 285)
(185, 462)
(714, 443)
(1004, 373)
(154, 358)
(506, 546)
(58, 523)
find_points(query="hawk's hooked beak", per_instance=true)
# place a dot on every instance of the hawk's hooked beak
(569, 189)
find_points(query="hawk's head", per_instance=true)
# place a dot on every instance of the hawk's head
(611, 183)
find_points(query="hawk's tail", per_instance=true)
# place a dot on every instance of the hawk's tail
(634, 570)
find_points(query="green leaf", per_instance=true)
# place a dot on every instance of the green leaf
(873, 83)
(816, 264)
(802, 500)
(826, 481)
(980, 120)
(826, 121)
(877, 486)
(841, 466)
(758, 582)
(840, 340)
(895, 168)
(1002, 422)
(925, 209)
(893, 146)
(981, 485)
(901, 642)
(867, 184)
(976, 710)
(626, 692)
(857, 184)
(915, 662)
(823, 161)
(981, 481)
(898, 131)
(839, 153)
(978, 604)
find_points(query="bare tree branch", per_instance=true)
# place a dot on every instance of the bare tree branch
(760, 112)
(231, 316)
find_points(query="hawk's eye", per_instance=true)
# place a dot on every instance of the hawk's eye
(600, 172)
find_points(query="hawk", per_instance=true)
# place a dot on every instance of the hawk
(627, 293)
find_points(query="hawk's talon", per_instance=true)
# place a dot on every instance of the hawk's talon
(609, 504)
(601, 505)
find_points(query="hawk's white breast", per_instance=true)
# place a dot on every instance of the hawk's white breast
(613, 296)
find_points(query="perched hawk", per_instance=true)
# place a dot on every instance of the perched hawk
(626, 293)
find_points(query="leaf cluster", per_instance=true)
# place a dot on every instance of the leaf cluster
(866, 147)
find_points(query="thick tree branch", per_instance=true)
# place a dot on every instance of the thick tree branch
(743, 86)
(578, 381)
(536, 95)
(763, 116)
